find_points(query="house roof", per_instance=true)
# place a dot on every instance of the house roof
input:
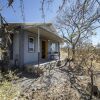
(46, 29)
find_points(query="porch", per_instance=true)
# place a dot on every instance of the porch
(43, 65)
(45, 38)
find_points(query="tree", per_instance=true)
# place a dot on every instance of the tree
(44, 3)
(97, 52)
(6, 32)
(78, 20)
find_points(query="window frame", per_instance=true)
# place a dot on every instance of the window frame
(55, 48)
(30, 37)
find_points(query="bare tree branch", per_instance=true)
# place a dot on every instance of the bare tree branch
(10, 2)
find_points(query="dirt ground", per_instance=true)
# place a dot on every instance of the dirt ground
(96, 68)
(58, 83)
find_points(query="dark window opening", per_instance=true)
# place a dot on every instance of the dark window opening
(11, 47)
(31, 44)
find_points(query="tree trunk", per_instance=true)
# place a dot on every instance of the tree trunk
(91, 76)
(68, 52)
(73, 52)
(91, 85)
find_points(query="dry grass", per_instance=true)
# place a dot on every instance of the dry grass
(96, 64)
(63, 92)
(8, 91)
(58, 90)
(63, 54)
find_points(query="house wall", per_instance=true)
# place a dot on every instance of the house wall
(15, 48)
(20, 48)
(30, 57)
(21, 55)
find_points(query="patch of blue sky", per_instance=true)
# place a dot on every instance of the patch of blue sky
(33, 13)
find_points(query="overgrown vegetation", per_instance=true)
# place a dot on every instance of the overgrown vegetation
(77, 21)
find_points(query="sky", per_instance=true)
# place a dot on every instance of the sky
(31, 9)
(33, 13)
(96, 38)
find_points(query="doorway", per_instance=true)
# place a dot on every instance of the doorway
(44, 49)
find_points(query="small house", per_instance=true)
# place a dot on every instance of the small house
(34, 43)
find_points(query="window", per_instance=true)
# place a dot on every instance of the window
(0, 55)
(11, 47)
(0, 41)
(31, 44)
(53, 47)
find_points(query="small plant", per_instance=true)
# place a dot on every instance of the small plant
(38, 71)
(10, 75)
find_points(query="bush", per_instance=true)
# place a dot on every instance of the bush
(37, 71)
(10, 75)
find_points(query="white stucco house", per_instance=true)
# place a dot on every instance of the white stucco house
(34, 43)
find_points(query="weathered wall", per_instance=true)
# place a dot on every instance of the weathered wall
(15, 47)
(20, 48)
(30, 57)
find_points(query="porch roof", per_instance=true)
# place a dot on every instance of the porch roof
(47, 30)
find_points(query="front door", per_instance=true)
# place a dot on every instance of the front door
(44, 49)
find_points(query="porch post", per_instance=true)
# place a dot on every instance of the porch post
(38, 46)
(59, 50)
